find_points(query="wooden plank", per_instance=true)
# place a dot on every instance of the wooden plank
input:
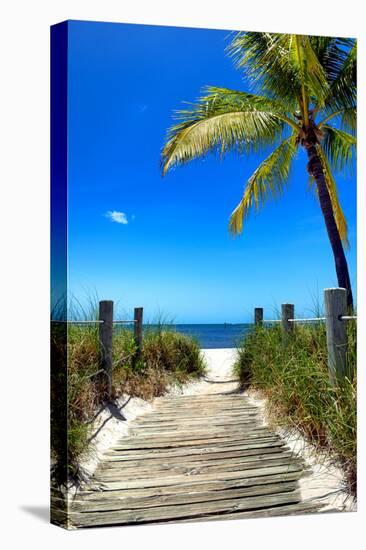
(164, 452)
(205, 398)
(213, 407)
(131, 503)
(193, 424)
(189, 437)
(192, 459)
(187, 451)
(166, 444)
(183, 511)
(230, 422)
(300, 508)
(214, 485)
(160, 467)
(218, 403)
(201, 416)
(182, 479)
(249, 432)
(200, 408)
(242, 427)
(169, 470)
(220, 406)
(186, 430)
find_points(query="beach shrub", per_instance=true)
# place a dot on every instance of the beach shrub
(167, 358)
(291, 371)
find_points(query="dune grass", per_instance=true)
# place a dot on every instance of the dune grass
(167, 358)
(291, 371)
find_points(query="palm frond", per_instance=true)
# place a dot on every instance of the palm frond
(332, 190)
(265, 62)
(339, 147)
(268, 181)
(332, 53)
(223, 120)
(309, 71)
(348, 120)
(281, 64)
(343, 89)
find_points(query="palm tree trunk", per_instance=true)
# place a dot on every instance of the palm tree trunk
(316, 170)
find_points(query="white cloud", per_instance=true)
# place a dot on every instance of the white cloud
(118, 217)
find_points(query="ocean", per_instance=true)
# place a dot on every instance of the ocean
(209, 336)
(215, 336)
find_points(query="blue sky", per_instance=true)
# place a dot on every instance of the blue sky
(163, 243)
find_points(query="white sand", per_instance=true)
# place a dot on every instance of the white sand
(325, 481)
(219, 374)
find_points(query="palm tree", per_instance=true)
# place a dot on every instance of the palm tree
(305, 96)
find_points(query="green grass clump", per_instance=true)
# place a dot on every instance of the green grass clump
(173, 352)
(291, 371)
(167, 358)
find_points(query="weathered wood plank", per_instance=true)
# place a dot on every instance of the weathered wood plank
(164, 443)
(205, 398)
(182, 478)
(199, 417)
(121, 461)
(186, 439)
(168, 470)
(187, 451)
(131, 503)
(187, 430)
(183, 511)
(212, 408)
(203, 426)
(246, 431)
(188, 488)
(286, 510)
(211, 458)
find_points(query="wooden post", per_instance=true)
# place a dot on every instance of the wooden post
(138, 317)
(105, 339)
(335, 301)
(287, 312)
(258, 315)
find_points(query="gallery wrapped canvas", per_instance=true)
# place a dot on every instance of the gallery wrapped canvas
(196, 376)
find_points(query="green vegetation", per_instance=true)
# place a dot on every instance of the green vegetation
(167, 358)
(291, 371)
(305, 97)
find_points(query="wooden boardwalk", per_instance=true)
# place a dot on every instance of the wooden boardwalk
(193, 458)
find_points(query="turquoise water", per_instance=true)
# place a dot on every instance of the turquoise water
(215, 336)
(207, 335)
